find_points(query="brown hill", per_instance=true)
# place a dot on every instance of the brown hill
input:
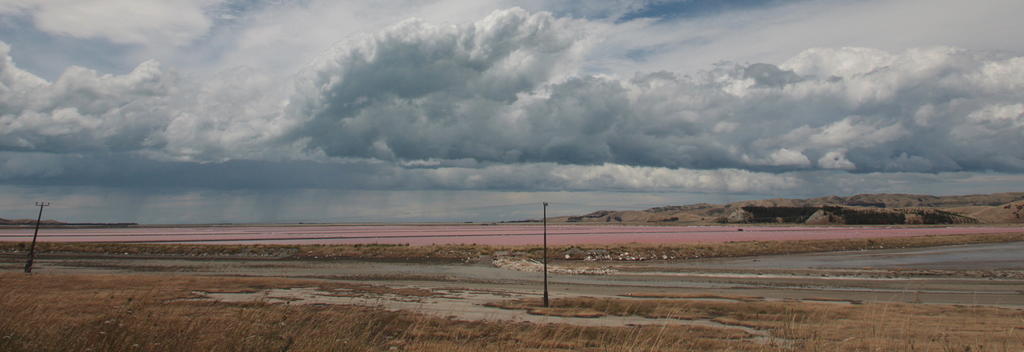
(999, 208)
(1008, 213)
(894, 200)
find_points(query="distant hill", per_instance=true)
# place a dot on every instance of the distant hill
(998, 208)
(25, 222)
(28, 222)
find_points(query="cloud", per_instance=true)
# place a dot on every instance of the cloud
(143, 22)
(836, 159)
(416, 92)
(781, 157)
(392, 94)
(83, 111)
(549, 176)
(29, 165)
(506, 102)
(126, 170)
(148, 111)
(782, 29)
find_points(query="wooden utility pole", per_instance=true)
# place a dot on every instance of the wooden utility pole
(32, 249)
(545, 254)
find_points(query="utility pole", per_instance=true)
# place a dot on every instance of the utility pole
(545, 254)
(32, 249)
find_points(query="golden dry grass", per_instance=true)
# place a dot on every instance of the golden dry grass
(146, 312)
(152, 313)
(830, 327)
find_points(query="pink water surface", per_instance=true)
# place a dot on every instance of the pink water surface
(478, 234)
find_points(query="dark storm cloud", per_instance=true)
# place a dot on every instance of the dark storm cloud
(500, 103)
(416, 83)
(419, 92)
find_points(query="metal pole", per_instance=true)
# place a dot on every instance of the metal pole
(545, 254)
(32, 249)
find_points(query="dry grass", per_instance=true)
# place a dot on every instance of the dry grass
(145, 312)
(566, 312)
(473, 252)
(830, 327)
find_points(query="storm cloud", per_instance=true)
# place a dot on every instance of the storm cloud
(489, 92)
(505, 102)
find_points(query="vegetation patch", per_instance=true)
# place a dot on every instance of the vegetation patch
(473, 253)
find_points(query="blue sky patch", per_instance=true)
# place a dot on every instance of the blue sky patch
(669, 10)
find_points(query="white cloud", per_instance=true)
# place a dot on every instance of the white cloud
(773, 34)
(547, 176)
(847, 62)
(1011, 115)
(994, 124)
(15, 84)
(149, 110)
(788, 157)
(851, 132)
(147, 22)
(836, 159)
(84, 111)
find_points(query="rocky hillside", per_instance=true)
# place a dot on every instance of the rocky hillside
(999, 208)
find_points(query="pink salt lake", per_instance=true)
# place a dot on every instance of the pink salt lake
(475, 234)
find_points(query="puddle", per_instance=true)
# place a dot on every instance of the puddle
(699, 299)
(845, 302)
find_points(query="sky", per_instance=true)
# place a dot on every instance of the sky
(214, 111)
